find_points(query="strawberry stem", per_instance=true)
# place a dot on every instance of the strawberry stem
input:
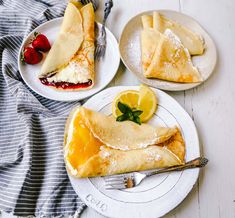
(22, 57)
(36, 34)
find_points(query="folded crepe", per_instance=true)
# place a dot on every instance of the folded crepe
(164, 57)
(192, 41)
(98, 145)
(69, 64)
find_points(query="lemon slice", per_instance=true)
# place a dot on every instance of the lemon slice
(144, 99)
(129, 97)
(147, 102)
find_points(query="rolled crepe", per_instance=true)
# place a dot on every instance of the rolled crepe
(69, 64)
(98, 145)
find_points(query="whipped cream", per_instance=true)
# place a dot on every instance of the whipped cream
(72, 73)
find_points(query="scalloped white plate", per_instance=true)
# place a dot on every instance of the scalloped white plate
(156, 195)
(129, 47)
(105, 69)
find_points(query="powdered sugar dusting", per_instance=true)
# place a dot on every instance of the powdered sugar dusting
(178, 44)
(179, 48)
(104, 153)
(152, 155)
(113, 163)
(188, 55)
(174, 38)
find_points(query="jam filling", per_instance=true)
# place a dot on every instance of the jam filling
(65, 85)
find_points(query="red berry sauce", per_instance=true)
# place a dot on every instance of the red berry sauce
(65, 85)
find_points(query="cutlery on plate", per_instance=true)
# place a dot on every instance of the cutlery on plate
(123, 181)
(95, 3)
(101, 39)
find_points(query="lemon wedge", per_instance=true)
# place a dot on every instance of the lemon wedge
(144, 99)
(147, 103)
(129, 97)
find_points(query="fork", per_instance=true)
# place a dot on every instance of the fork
(101, 39)
(123, 181)
(95, 3)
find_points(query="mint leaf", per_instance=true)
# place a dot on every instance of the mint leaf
(128, 113)
(137, 113)
(121, 118)
(137, 120)
(130, 116)
(124, 108)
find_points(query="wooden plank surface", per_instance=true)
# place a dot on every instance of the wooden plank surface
(211, 105)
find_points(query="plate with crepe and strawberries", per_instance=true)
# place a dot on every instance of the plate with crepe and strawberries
(56, 60)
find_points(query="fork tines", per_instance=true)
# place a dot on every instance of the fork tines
(99, 51)
(115, 182)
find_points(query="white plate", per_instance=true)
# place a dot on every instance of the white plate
(129, 47)
(105, 69)
(158, 194)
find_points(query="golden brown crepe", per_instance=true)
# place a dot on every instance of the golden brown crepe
(69, 64)
(164, 57)
(150, 39)
(147, 21)
(97, 145)
(193, 42)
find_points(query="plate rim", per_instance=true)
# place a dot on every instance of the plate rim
(64, 100)
(196, 171)
(193, 85)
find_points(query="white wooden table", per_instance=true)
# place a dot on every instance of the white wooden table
(211, 105)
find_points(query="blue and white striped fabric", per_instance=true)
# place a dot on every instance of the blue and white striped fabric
(33, 179)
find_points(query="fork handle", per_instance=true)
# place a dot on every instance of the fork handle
(108, 6)
(198, 162)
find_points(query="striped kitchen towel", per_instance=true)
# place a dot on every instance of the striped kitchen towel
(33, 179)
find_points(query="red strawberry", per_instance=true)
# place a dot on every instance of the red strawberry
(41, 42)
(31, 56)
